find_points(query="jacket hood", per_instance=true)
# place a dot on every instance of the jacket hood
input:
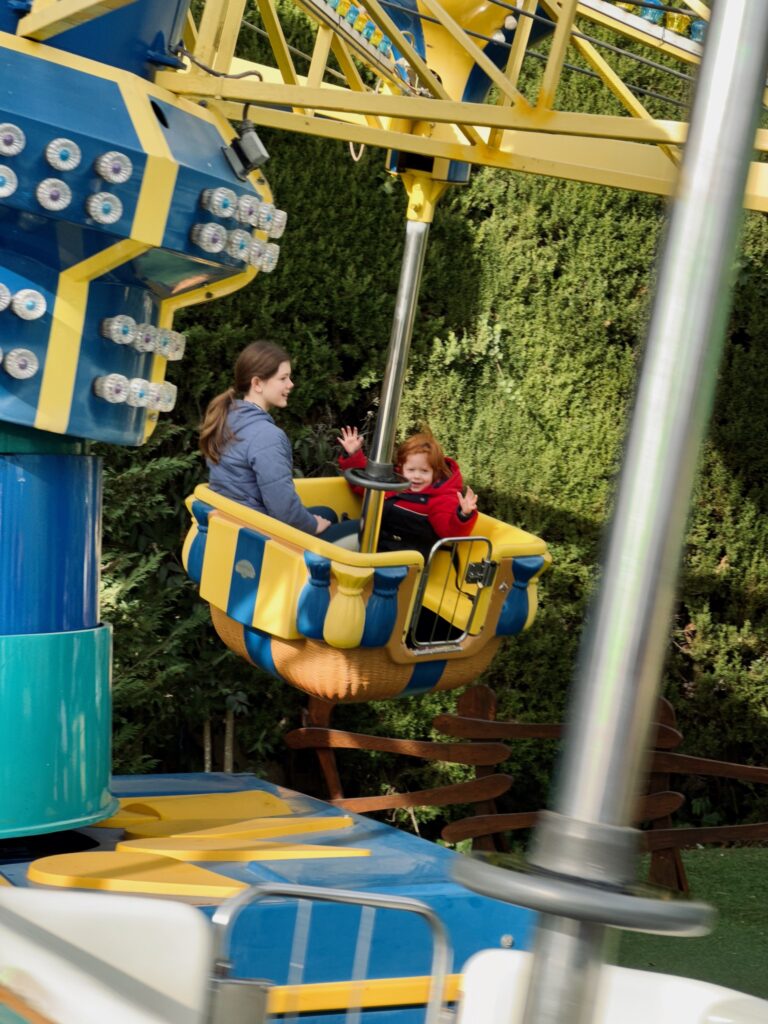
(242, 414)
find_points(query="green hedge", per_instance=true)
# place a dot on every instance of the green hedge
(526, 345)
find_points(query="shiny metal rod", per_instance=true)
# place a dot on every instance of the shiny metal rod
(380, 458)
(624, 648)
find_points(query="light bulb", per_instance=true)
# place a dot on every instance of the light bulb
(21, 363)
(53, 194)
(221, 202)
(112, 388)
(146, 338)
(63, 154)
(114, 167)
(279, 220)
(5, 297)
(28, 304)
(12, 139)
(256, 252)
(269, 258)
(177, 344)
(266, 216)
(166, 397)
(104, 208)
(248, 210)
(138, 393)
(238, 244)
(209, 237)
(8, 182)
(121, 329)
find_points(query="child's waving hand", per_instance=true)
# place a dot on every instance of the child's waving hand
(467, 501)
(350, 440)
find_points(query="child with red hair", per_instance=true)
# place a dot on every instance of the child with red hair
(432, 507)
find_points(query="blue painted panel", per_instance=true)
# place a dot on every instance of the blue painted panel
(315, 597)
(55, 711)
(125, 37)
(259, 647)
(246, 575)
(514, 612)
(200, 511)
(381, 610)
(50, 538)
(425, 676)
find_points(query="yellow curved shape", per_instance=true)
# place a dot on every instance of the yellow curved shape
(200, 807)
(131, 872)
(198, 848)
(345, 618)
(253, 828)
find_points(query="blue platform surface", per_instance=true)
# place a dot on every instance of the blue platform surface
(399, 864)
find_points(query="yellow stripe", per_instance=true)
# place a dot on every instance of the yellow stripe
(219, 561)
(47, 19)
(275, 609)
(58, 382)
(339, 995)
(160, 173)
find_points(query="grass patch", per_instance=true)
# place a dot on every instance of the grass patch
(735, 881)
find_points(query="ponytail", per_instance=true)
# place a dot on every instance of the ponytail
(214, 433)
(260, 359)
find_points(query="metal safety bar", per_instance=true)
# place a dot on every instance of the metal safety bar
(460, 577)
(245, 1001)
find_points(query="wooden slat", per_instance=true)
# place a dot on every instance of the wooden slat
(487, 824)
(655, 805)
(684, 764)
(457, 753)
(666, 738)
(663, 838)
(442, 796)
(480, 729)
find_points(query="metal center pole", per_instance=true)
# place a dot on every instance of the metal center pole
(380, 460)
(622, 657)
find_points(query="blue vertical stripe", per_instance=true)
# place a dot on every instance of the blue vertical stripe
(246, 573)
(200, 511)
(258, 644)
(314, 597)
(514, 612)
(425, 676)
(381, 610)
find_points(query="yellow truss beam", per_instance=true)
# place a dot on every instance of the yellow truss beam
(352, 75)
(634, 166)
(661, 45)
(320, 52)
(615, 84)
(47, 19)
(277, 40)
(698, 8)
(564, 13)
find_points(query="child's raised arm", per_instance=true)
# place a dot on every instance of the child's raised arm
(350, 440)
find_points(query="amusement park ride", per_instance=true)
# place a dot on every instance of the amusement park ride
(132, 186)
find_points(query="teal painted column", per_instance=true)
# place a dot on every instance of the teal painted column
(55, 655)
(55, 731)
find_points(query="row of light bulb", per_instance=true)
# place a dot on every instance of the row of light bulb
(123, 330)
(65, 155)
(55, 195)
(239, 244)
(26, 303)
(20, 363)
(137, 392)
(247, 209)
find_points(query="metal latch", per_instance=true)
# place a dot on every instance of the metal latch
(481, 573)
(238, 1000)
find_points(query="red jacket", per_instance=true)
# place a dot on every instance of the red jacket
(417, 519)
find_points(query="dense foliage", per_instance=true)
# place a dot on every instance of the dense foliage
(524, 357)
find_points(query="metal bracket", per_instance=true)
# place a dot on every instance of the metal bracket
(482, 572)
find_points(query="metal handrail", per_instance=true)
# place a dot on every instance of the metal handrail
(225, 916)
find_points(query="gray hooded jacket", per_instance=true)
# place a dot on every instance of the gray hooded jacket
(256, 467)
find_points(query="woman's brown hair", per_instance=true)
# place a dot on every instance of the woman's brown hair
(424, 444)
(260, 359)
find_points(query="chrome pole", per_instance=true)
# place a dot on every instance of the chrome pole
(380, 459)
(619, 673)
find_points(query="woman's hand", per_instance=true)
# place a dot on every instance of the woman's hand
(322, 523)
(467, 502)
(350, 440)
